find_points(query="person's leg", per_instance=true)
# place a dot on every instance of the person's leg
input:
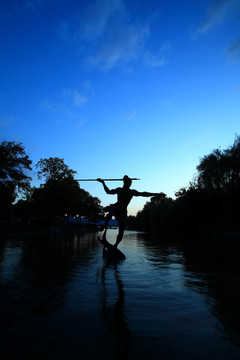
(107, 219)
(119, 237)
(104, 235)
(121, 227)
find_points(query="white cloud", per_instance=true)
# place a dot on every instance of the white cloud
(87, 85)
(32, 3)
(237, 89)
(73, 98)
(6, 120)
(67, 107)
(96, 16)
(35, 4)
(79, 100)
(158, 60)
(110, 38)
(217, 12)
(63, 30)
(234, 50)
(119, 46)
(130, 114)
(167, 103)
(79, 123)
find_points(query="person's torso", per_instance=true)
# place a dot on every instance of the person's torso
(124, 198)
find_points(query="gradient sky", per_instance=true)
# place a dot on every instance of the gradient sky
(137, 87)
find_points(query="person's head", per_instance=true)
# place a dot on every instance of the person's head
(127, 182)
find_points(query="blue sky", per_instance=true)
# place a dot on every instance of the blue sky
(115, 87)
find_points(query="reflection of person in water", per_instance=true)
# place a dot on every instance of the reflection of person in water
(114, 314)
(119, 209)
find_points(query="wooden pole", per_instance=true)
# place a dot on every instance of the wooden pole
(104, 179)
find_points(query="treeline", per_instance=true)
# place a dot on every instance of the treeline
(209, 203)
(58, 195)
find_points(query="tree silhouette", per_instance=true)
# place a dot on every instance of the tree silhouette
(60, 194)
(14, 163)
(54, 169)
(220, 169)
(210, 202)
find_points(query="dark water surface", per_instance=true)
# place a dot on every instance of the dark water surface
(61, 300)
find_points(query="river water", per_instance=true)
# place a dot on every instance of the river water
(61, 300)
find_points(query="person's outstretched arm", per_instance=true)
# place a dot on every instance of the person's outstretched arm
(144, 193)
(108, 191)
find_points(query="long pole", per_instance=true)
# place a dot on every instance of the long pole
(104, 179)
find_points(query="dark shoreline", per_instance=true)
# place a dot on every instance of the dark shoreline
(9, 229)
(18, 229)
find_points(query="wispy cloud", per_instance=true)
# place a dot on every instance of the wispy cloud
(237, 89)
(233, 50)
(167, 103)
(73, 98)
(67, 107)
(6, 120)
(87, 86)
(63, 30)
(152, 60)
(97, 15)
(35, 4)
(111, 38)
(119, 47)
(130, 114)
(218, 12)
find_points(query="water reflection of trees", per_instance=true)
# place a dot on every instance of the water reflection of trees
(36, 270)
(113, 313)
(163, 251)
(210, 267)
(218, 269)
(45, 263)
(50, 260)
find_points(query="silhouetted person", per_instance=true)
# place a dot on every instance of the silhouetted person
(119, 209)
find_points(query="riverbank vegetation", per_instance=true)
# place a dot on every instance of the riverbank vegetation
(209, 203)
(58, 197)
